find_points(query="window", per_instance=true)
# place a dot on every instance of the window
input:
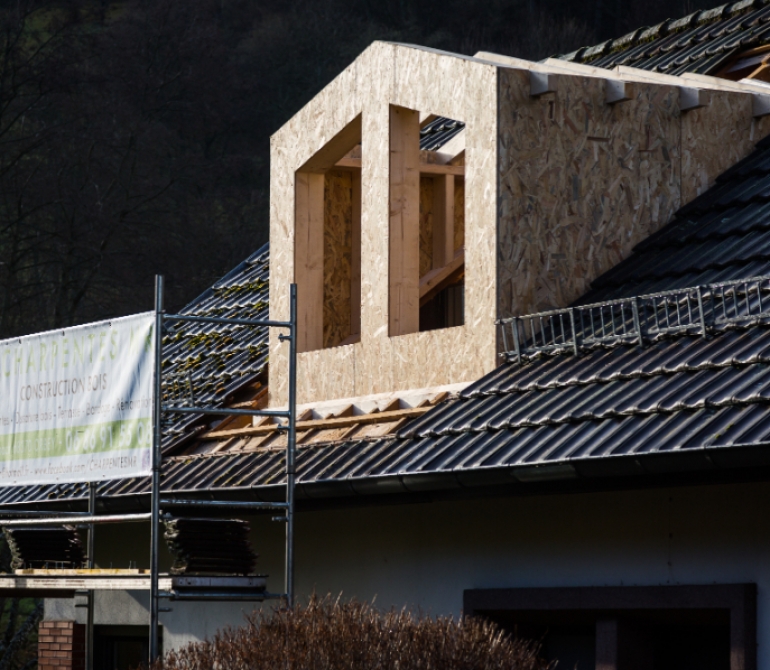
(328, 243)
(427, 215)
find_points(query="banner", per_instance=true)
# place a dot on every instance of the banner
(76, 404)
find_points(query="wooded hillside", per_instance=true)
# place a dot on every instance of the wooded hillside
(134, 135)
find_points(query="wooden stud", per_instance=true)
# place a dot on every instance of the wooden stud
(443, 220)
(404, 229)
(348, 163)
(308, 259)
(355, 269)
(436, 168)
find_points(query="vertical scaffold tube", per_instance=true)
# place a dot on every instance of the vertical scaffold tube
(291, 448)
(91, 593)
(155, 495)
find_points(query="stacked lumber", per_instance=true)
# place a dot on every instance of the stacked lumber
(45, 547)
(219, 546)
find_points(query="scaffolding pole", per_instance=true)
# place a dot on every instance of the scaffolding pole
(91, 592)
(291, 444)
(155, 494)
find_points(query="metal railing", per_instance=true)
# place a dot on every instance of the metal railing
(639, 319)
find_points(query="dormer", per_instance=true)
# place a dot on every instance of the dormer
(405, 252)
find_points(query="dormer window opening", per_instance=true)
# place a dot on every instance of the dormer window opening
(427, 222)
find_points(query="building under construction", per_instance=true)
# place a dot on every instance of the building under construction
(533, 324)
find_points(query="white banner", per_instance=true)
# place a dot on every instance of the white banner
(76, 404)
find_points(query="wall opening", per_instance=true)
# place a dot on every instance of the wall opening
(122, 647)
(327, 251)
(682, 627)
(427, 222)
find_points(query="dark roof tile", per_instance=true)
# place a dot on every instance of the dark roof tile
(699, 42)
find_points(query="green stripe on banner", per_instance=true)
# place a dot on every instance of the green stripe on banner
(78, 440)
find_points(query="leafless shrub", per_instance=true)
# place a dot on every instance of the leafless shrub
(329, 634)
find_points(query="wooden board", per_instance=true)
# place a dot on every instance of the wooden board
(404, 231)
(337, 256)
(309, 259)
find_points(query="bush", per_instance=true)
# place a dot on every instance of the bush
(328, 634)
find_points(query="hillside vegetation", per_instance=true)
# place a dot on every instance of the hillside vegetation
(134, 135)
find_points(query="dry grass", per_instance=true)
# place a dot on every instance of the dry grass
(328, 634)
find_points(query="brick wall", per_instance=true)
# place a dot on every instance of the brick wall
(61, 645)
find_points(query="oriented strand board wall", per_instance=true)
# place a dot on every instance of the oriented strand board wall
(338, 233)
(426, 220)
(557, 190)
(715, 137)
(421, 79)
(583, 182)
(580, 182)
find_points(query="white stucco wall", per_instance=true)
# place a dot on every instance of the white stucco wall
(427, 554)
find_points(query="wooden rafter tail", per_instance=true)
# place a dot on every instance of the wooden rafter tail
(320, 424)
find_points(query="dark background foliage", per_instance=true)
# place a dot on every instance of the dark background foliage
(134, 135)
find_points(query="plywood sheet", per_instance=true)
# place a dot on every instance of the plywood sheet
(338, 256)
(418, 79)
(715, 137)
(581, 182)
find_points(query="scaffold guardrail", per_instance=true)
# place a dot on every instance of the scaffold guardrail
(638, 319)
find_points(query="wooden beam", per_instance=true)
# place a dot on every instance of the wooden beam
(339, 145)
(425, 168)
(435, 280)
(309, 259)
(443, 220)
(436, 168)
(404, 228)
(320, 424)
(355, 265)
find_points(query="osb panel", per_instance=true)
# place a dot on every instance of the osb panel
(417, 79)
(581, 182)
(715, 137)
(338, 254)
(459, 213)
(426, 225)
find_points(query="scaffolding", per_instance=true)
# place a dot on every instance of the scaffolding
(179, 587)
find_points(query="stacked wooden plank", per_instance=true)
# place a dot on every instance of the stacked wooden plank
(211, 546)
(45, 547)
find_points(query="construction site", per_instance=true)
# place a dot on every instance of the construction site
(517, 319)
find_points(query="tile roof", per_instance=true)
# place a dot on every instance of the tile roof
(722, 235)
(438, 132)
(210, 364)
(684, 402)
(700, 42)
